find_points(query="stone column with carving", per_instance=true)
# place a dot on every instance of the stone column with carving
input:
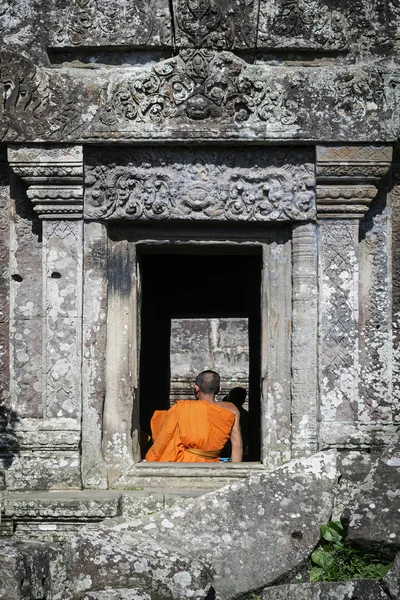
(346, 185)
(54, 178)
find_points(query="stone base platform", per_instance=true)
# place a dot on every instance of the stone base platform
(56, 515)
(145, 489)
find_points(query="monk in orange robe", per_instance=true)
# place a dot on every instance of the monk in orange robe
(196, 430)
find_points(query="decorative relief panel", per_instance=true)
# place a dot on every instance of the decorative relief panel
(295, 23)
(245, 185)
(197, 94)
(198, 85)
(339, 314)
(327, 25)
(215, 23)
(106, 22)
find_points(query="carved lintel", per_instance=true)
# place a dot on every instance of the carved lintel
(54, 175)
(345, 178)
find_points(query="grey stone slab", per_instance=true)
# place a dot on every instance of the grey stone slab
(62, 505)
(117, 594)
(120, 414)
(5, 205)
(304, 386)
(395, 202)
(124, 559)
(391, 581)
(240, 527)
(374, 511)
(354, 467)
(94, 351)
(276, 355)
(31, 570)
(361, 589)
(44, 470)
(26, 351)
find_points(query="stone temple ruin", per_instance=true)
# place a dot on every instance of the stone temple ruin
(171, 166)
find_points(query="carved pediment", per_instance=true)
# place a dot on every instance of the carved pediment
(199, 94)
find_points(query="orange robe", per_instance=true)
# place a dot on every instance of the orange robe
(189, 424)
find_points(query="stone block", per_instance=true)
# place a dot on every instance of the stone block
(62, 505)
(43, 470)
(361, 589)
(129, 560)
(33, 570)
(374, 511)
(117, 594)
(391, 582)
(252, 532)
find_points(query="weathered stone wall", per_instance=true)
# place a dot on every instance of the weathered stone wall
(218, 344)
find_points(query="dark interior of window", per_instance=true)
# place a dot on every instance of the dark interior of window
(193, 285)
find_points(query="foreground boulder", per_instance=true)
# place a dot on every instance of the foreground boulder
(374, 512)
(360, 589)
(97, 560)
(252, 532)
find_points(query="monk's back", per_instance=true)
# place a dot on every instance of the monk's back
(191, 431)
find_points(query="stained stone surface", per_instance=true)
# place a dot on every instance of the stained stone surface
(199, 93)
(130, 560)
(117, 594)
(239, 528)
(106, 23)
(33, 570)
(362, 589)
(233, 185)
(374, 511)
(391, 581)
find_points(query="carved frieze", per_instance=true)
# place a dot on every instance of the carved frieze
(215, 23)
(233, 185)
(107, 22)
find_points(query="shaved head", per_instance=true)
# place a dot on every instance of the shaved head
(208, 382)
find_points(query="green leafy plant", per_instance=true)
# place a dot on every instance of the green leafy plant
(337, 561)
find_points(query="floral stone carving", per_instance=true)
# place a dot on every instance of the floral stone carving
(234, 185)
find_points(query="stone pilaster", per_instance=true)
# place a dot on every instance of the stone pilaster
(347, 177)
(276, 290)
(54, 178)
(304, 340)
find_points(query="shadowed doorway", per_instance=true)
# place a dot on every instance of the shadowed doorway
(205, 283)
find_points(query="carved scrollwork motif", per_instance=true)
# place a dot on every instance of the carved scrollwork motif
(24, 96)
(197, 85)
(94, 22)
(216, 185)
(310, 23)
(216, 24)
